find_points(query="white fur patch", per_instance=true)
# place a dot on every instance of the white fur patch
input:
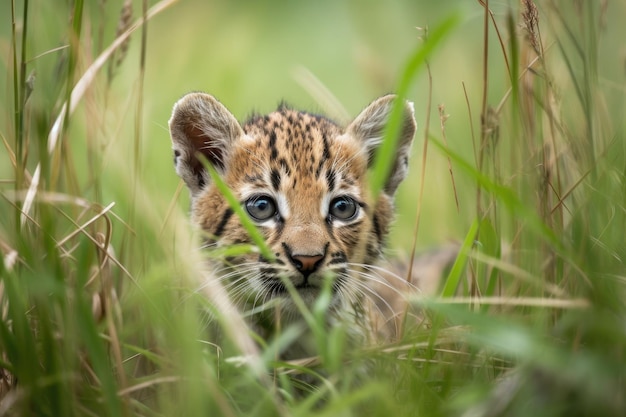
(325, 205)
(283, 206)
(247, 139)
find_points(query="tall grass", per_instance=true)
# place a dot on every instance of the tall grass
(100, 308)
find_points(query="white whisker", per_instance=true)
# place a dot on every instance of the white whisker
(370, 293)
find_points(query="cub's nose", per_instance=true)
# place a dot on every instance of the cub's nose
(306, 264)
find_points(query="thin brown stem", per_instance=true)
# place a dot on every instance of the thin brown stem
(418, 211)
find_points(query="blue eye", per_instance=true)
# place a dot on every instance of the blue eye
(343, 208)
(261, 207)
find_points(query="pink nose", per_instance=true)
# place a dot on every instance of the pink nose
(306, 263)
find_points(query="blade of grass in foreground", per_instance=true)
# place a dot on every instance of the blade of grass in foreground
(382, 163)
(452, 282)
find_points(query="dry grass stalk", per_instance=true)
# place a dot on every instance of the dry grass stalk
(123, 24)
(321, 94)
(420, 199)
(442, 119)
(530, 24)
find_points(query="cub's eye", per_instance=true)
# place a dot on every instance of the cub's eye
(343, 208)
(261, 207)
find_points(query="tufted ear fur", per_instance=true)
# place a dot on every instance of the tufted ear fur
(201, 124)
(369, 128)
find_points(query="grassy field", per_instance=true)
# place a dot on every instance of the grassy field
(520, 155)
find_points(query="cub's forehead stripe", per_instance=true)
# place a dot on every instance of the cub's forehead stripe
(275, 179)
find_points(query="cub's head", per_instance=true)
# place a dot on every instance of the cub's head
(302, 180)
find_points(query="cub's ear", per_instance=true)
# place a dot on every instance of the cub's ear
(201, 124)
(369, 129)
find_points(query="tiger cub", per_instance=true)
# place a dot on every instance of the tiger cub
(303, 181)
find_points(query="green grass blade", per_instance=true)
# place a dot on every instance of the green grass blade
(454, 277)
